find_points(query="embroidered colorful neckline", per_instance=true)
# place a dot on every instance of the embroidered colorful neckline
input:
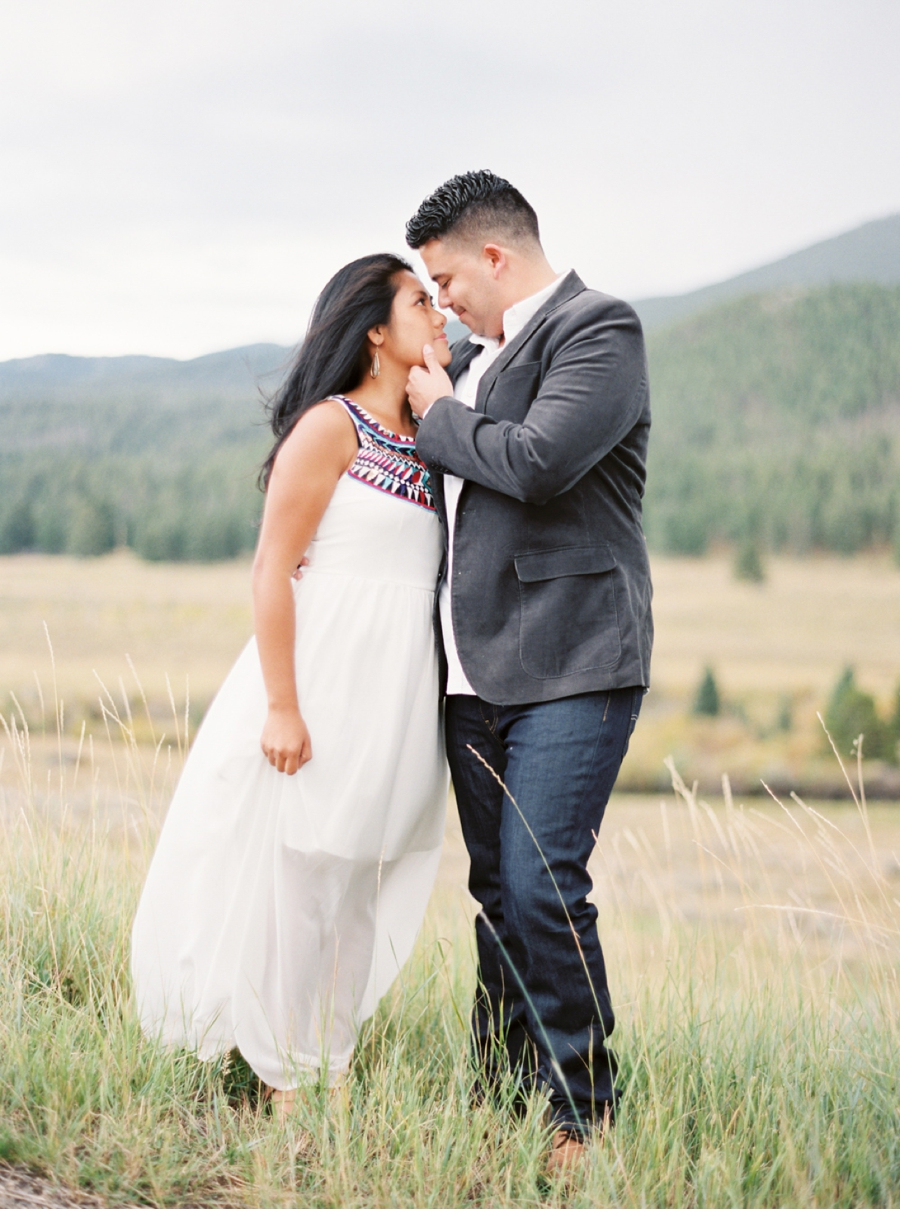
(388, 461)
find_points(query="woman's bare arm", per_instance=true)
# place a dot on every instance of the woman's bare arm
(318, 451)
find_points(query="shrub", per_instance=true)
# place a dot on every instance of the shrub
(894, 721)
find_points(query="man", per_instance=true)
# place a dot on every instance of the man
(540, 431)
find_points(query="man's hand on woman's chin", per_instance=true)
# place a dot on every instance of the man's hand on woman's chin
(427, 384)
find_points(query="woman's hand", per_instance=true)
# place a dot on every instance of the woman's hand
(314, 456)
(285, 740)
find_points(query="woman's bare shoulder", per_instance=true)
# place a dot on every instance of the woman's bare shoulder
(321, 446)
(327, 417)
(324, 429)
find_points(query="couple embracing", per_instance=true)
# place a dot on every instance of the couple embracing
(474, 592)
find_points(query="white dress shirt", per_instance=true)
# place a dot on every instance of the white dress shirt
(514, 320)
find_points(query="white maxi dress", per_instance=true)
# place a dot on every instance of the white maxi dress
(278, 909)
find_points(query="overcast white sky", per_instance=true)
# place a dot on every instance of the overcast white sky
(181, 176)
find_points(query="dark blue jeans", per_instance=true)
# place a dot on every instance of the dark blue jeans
(542, 1008)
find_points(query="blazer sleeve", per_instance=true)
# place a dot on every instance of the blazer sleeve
(592, 395)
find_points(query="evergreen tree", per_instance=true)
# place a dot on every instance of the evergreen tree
(162, 538)
(851, 712)
(707, 700)
(215, 537)
(894, 723)
(748, 564)
(92, 529)
(50, 529)
(784, 720)
(17, 527)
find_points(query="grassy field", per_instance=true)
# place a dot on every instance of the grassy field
(754, 952)
(753, 947)
(793, 634)
(773, 646)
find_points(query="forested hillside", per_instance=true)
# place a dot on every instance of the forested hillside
(159, 454)
(776, 417)
(870, 253)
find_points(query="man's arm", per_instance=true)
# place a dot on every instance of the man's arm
(590, 398)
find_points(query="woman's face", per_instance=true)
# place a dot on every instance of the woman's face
(414, 322)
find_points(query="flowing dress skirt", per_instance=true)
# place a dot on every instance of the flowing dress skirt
(278, 909)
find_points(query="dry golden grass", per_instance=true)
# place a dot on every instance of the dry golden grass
(792, 634)
(184, 621)
(789, 637)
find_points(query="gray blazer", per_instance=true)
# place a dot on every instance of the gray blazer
(551, 583)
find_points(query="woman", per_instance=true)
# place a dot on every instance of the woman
(297, 858)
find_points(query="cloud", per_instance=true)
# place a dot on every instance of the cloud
(183, 176)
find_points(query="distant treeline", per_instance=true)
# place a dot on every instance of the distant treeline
(776, 419)
(149, 452)
(203, 510)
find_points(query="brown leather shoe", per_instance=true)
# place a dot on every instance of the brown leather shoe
(566, 1152)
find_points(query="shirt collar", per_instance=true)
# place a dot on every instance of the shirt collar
(516, 317)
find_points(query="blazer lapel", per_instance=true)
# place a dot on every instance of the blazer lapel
(570, 286)
(463, 352)
(437, 492)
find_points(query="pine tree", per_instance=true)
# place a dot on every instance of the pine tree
(894, 725)
(784, 720)
(851, 712)
(91, 529)
(748, 565)
(707, 700)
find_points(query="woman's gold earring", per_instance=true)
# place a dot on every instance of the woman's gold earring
(376, 366)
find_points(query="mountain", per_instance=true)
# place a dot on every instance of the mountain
(129, 403)
(870, 253)
(776, 418)
(70, 375)
(153, 452)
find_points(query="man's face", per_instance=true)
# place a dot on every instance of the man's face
(467, 282)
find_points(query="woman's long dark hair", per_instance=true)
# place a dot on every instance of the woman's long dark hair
(334, 356)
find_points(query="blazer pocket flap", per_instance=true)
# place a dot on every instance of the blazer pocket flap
(529, 368)
(564, 562)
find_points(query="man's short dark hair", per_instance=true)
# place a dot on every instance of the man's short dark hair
(477, 205)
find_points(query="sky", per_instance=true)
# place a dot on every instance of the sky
(183, 176)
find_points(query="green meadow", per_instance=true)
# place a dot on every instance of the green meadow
(753, 943)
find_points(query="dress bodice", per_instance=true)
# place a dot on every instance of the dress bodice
(380, 523)
(388, 461)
